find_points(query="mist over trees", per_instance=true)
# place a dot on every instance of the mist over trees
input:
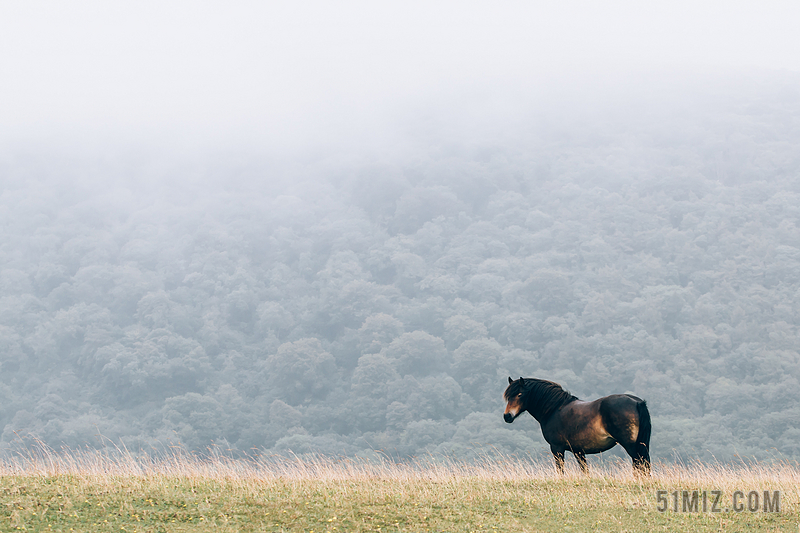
(346, 305)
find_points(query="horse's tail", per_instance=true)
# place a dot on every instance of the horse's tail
(643, 439)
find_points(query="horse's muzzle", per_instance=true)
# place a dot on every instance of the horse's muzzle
(508, 417)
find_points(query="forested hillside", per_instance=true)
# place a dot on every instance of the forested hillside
(343, 304)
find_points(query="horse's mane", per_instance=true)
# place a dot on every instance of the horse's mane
(541, 398)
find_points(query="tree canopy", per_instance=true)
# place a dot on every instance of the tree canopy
(343, 306)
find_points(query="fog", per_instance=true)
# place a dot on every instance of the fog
(267, 76)
(339, 228)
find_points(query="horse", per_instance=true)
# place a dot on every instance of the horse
(582, 427)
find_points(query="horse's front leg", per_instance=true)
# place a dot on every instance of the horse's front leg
(581, 457)
(558, 454)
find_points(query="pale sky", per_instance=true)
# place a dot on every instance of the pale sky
(272, 72)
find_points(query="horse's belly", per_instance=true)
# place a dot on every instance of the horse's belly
(592, 439)
(599, 445)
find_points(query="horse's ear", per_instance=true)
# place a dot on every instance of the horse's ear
(510, 381)
(521, 380)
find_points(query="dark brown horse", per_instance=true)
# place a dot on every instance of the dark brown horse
(582, 427)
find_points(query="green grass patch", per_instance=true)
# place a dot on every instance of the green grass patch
(153, 503)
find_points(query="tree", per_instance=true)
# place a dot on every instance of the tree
(417, 353)
(301, 371)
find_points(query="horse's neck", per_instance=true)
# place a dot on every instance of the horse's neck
(543, 414)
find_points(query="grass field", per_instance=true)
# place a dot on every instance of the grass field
(92, 491)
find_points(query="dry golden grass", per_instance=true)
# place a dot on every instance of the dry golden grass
(176, 491)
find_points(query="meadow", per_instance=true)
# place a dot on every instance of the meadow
(180, 492)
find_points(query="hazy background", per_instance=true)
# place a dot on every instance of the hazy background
(339, 227)
(269, 76)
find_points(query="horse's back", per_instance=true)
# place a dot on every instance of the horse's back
(621, 399)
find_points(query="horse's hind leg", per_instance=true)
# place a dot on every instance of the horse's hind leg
(640, 457)
(558, 455)
(628, 422)
(581, 458)
(641, 463)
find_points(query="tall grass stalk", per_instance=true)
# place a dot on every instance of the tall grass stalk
(38, 459)
(180, 490)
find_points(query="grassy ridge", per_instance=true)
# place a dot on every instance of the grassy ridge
(189, 494)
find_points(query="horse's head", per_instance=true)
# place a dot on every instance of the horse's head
(513, 396)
